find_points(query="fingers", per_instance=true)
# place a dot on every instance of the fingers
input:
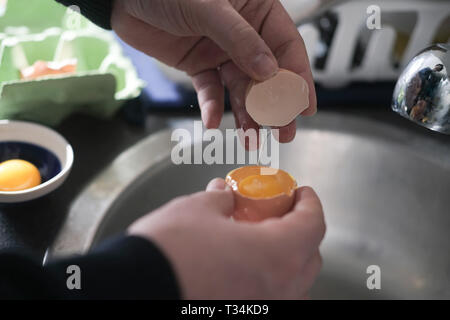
(210, 94)
(304, 226)
(237, 83)
(308, 275)
(286, 133)
(218, 188)
(222, 23)
(307, 216)
(283, 38)
(306, 199)
(216, 184)
(217, 200)
(214, 202)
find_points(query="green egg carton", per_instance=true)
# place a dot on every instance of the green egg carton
(104, 77)
(34, 16)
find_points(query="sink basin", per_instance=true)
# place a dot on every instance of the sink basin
(384, 188)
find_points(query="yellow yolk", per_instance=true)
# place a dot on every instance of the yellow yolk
(17, 175)
(261, 192)
(251, 182)
(258, 186)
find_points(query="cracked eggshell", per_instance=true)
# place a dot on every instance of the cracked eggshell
(279, 100)
(258, 209)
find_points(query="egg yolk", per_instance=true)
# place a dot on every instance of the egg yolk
(17, 175)
(250, 182)
(262, 186)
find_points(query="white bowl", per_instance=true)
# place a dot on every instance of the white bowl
(20, 132)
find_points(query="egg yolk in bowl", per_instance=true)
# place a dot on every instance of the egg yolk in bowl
(17, 175)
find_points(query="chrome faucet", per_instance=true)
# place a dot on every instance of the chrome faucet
(422, 93)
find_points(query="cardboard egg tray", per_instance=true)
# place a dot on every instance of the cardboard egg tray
(104, 77)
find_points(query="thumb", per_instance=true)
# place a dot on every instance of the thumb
(225, 26)
(218, 198)
(217, 184)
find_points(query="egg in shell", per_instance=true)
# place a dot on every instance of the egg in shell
(279, 100)
(260, 193)
(43, 68)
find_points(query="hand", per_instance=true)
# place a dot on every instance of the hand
(217, 258)
(217, 43)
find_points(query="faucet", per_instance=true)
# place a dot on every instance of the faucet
(422, 92)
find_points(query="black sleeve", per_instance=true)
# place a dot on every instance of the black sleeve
(121, 268)
(98, 11)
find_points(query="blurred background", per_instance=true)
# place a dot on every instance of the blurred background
(352, 62)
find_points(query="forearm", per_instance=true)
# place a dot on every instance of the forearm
(98, 11)
(123, 268)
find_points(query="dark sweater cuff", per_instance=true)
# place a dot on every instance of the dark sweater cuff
(123, 268)
(98, 11)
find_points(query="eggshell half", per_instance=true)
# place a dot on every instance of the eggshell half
(279, 100)
(258, 209)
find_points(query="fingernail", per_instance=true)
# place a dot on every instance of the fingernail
(216, 184)
(264, 66)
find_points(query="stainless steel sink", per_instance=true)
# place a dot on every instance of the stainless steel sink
(385, 191)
